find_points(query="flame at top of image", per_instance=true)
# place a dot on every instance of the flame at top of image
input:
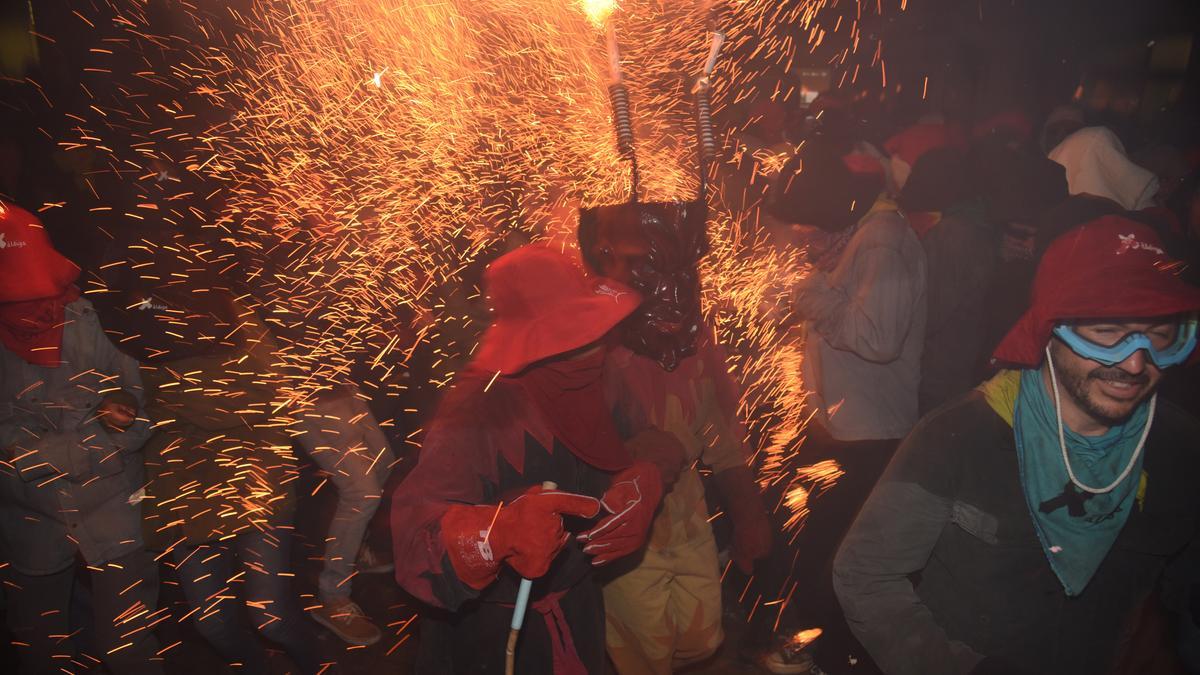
(598, 11)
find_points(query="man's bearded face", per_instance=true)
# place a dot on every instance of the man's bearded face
(654, 249)
(1108, 395)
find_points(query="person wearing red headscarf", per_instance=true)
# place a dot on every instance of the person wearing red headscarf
(475, 517)
(71, 474)
(1041, 510)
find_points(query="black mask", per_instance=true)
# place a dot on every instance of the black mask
(654, 248)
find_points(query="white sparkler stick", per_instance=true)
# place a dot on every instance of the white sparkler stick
(518, 616)
(714, 50)
(614, 53)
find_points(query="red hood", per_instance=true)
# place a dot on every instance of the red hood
(1112, 267)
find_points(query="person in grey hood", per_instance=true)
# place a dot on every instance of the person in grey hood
(71, 474)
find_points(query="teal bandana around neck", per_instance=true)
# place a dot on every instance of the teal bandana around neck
(1076, 528)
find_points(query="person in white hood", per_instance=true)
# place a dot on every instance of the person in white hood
(1096, 164)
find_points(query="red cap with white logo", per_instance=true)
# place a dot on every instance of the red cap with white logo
(1109, 268)
(30, 268)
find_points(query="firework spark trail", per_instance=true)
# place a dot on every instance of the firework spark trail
(350, 139)
(361, 156)
(809, 483)
(373, 150)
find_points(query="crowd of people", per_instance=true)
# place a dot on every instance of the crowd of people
(995, 323)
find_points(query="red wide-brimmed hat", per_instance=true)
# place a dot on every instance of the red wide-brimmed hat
(543, 304)
(1112, 267)
(30, 268)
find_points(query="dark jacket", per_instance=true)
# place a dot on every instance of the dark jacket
(950, 508)
(960, 253)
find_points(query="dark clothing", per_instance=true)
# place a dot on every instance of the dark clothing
(951, 508)
(1080, 209)
(473, 640)
(802, 564)
(256, 559)
(1012, 283)
(70, 488)
(1067, 214)
(38, 614)
(220, 470)
(484, 447)
(961, 255)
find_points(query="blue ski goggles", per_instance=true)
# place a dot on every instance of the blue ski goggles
(1110, 355)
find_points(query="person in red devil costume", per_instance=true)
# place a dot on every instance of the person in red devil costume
(72, 425)
(664, 608)
(473, 517)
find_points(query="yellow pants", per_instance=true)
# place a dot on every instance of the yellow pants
(666, 612)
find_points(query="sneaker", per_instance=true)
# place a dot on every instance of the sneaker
(347, 621)
(370, 562)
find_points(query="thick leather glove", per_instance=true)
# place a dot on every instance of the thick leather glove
(631, 500)
(663, 450)
(527, 533)
(752, 532)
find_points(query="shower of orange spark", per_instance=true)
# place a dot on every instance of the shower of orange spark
(809, 482)
(365, 158)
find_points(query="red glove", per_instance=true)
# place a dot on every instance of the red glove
(631, 499)
(752, 532)
(527, 533)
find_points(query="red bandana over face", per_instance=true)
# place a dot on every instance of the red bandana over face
(33, 329)
(570, 394)
(35, 288)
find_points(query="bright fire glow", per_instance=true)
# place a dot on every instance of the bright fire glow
(804, 638)
(598, 11)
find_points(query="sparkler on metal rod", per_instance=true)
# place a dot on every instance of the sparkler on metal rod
(518, 615)
(600, 13)
(706, 137)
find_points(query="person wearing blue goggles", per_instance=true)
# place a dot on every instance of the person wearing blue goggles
(1167, 344)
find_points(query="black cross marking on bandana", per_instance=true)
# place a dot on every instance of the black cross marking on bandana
(1070, 498)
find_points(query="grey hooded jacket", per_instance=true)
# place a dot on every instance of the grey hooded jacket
(67, 484)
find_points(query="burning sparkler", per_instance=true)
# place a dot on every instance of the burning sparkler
(706, 137)
(599, 13)
(795, 650)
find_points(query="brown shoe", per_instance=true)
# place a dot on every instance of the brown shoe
(347, 621)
